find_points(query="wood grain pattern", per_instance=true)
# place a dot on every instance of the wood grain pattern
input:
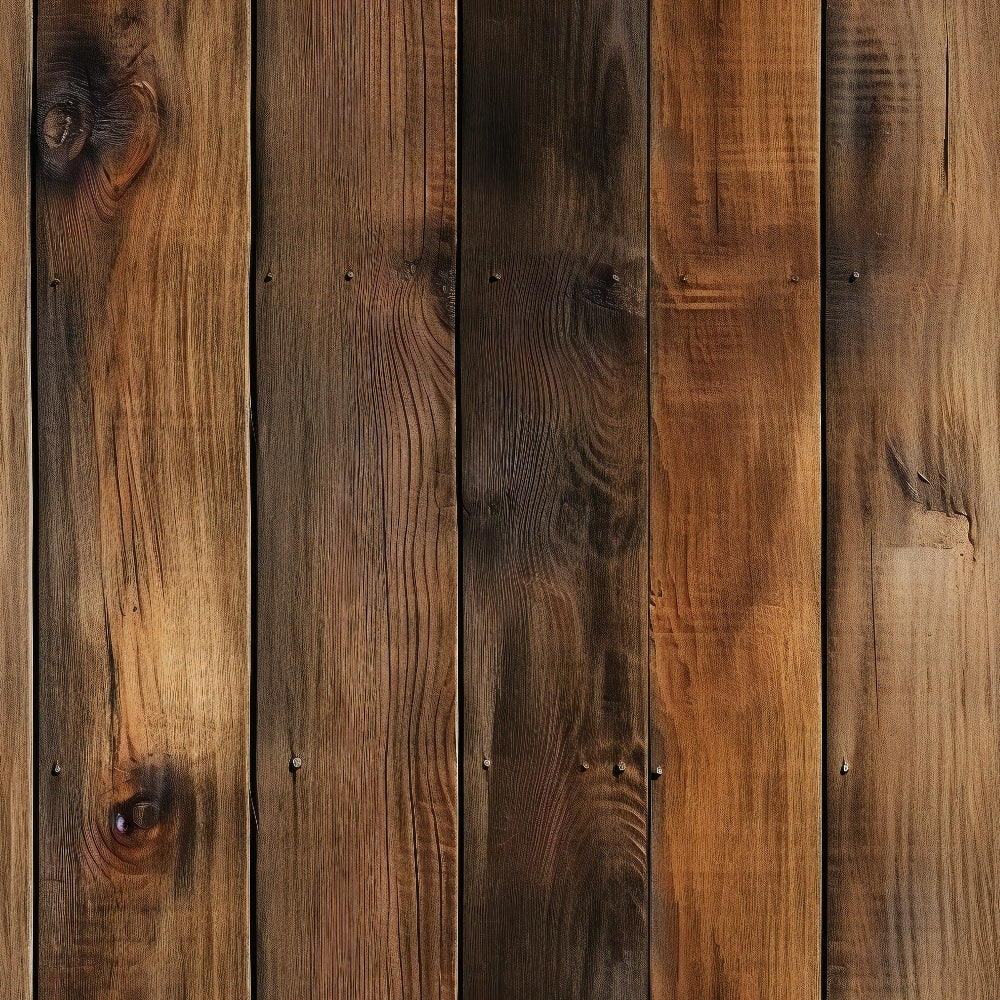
(913, 422)
(735, 521)
(15, 510)
(142, 275)
(357, 873)
(554, 431)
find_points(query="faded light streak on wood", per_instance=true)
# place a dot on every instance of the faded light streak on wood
(553, 454)
(735, 516)
(357, 871)
(914, 525)
(142, 230)
(15, 509)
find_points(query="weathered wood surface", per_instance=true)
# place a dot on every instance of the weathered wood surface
(357, 871)
(142, 272)
(913, 423)
(15, 509)
(553, 451)
(735, 519)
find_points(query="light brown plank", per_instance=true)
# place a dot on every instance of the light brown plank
(554, 432)
(142, 275)
(913, 422)
(15, 509)
(357, 878)
(735, 520)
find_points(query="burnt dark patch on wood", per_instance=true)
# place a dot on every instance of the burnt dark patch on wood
(98, 116)
(152, 821)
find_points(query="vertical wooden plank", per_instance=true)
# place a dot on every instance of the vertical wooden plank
(735, 522)
(15, 509)
(142, 275)
(554, 433)
(357, 878)
(913, 423)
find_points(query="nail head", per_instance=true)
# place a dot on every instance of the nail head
(620, 767)
(296, 763)
(658, 772)
(487, 763)
(855, 275)
(495, 276)
(845, 767)
(795, 279)
(584, 766)
(349, 276)
(57, 768)
(54, 283)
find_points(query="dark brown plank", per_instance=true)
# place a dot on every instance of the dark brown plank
(142, 228)
(15, 509)
(913, 415)
(355, 208)
(554, 432)
(735, 521)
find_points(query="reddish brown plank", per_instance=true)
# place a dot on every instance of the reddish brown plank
(735, 521)
(142, 228)
(15, 509)
(357, 881)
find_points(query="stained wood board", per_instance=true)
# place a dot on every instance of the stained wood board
(142, 231)
(735, 511)
(355, 205)
(553, 450)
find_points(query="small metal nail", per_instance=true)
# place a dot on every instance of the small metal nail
(54, 283)
(684, 279)
(487, 763)
(615, 278)
(584, 766)
(57, 768)
(620, 767)
(855, 275)
(349, 276)
(296, 763)
(495, 276)
(268, 277)
(845, 767)
(658, 772)
(795, 279)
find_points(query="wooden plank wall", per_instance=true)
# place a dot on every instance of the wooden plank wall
(553, 457)
(141, 407)
(913, 420)
(357, 517)
(582, 292)
(15, 508)
(735, 699)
